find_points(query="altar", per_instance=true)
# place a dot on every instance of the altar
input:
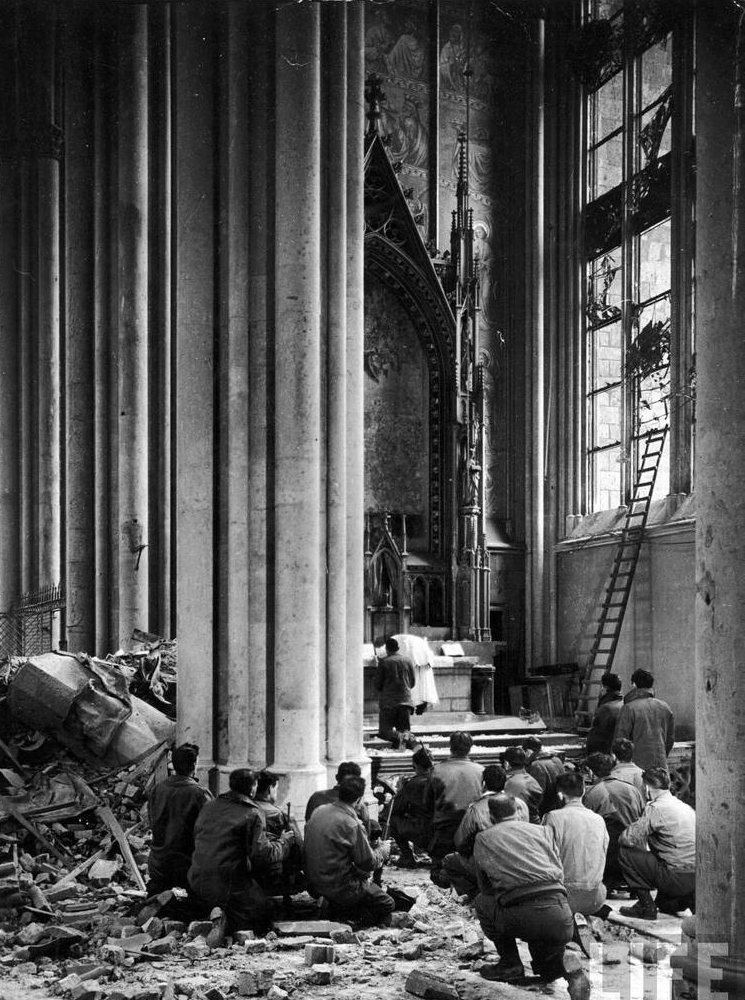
(465, 683)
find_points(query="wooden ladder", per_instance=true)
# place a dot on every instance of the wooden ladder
(613, 607)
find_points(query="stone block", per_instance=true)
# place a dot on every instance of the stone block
(174, 927)
(30, 934)
(214, 993)
(240, 937)
(316, 928)
(163, 946)
(412, 952)
(66, 984)
(320, 954)
(113, 953)
(430, 987)
(253, 982)
(347, 935)
(154, 927)
(255, 947)
(155, 905)
(86, 991)
(196, 950)
(133, 942)
(294, 943)
(321, 974)
(470, 951)
(27, 969)
(277, 993)
(199, 928)
(102, 872)
(247, 984)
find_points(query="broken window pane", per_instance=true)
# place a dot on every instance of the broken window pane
(606, 471)
(605, 290)
(654, 261)
(606, 109)
(655, 134)
(652, 402)
(607, 416)
(607, 355)
(655, 71)
(606, 167)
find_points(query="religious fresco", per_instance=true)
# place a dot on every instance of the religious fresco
(397, 49)
(396, 410)
(400, 48)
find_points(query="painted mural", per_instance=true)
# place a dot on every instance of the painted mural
(469, 63)
(396, 411)
(397, 49)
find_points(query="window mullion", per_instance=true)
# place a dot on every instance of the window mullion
(628, 455)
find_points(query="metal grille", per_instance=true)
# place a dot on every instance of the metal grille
(26, 629)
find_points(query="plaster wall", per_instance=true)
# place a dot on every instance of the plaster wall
(658, 628)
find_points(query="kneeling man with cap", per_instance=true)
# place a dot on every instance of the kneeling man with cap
(523, 896)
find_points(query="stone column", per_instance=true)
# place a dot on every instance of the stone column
(81, 472)
(720, 498)
(335, 171)
(10, 562)
(105, 349)
(159, 295)
(354, 376)
(235, 654)
(299, 596)
(39, 147)
(260, 383)
(10, 485)
(720, 516)
(194, 309)
(132, 218)
(535, 360)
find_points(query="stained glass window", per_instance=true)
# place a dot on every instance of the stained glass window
(628, 255)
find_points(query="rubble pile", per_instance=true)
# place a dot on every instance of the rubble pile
(75, 919)
(79, 753)
(93, 937)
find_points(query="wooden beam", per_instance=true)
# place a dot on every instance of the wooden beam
(121, 838)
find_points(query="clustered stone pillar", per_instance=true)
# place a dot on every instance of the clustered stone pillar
(354, 378)
(268, 228)
(30, 150)
(260, 129)
(235, 650)
(194, 310)
(299, 573)
(717, 965)
(132, 277)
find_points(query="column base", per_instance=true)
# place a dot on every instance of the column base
(296, 785)
(207, 776)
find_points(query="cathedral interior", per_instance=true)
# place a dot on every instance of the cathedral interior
(322, 321)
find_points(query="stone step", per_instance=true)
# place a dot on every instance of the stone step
(491, 736)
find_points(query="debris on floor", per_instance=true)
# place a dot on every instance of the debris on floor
(75, 920)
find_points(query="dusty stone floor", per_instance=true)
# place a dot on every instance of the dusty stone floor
(438, 936)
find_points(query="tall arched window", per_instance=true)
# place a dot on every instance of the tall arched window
(636, 67)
